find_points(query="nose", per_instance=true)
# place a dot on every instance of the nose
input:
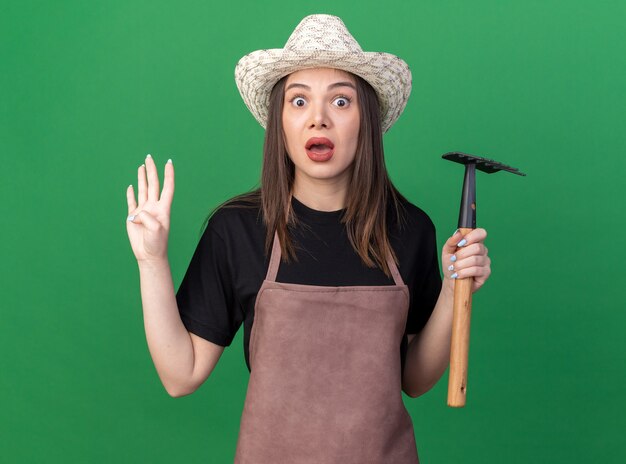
(318, 117)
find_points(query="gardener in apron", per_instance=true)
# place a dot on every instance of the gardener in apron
(332, 272)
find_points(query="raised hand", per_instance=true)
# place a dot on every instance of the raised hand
(148, 223)
(466, 257)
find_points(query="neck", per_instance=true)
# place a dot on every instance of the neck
(320, 195)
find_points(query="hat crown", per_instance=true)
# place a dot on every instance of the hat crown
(322, 32)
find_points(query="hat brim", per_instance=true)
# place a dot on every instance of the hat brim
(258, 72)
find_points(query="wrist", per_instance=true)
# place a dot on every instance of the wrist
(447, 287)
(152, 264)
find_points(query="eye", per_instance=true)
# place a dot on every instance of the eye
(298, 101)
(342, 101)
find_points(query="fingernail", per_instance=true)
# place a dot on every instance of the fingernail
(455, 232)
(453, 258)
(451, 267)
(454, 276)
(148, 155)
(169, 160)
(462, 243)
(131, 218)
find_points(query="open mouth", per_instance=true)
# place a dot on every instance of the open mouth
(319, 148)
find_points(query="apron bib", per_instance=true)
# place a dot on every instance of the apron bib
(325, 381)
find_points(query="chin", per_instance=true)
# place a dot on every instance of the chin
(324, 173)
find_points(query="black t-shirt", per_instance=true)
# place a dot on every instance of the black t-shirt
(227, 269)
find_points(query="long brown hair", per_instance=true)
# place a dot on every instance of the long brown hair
(369, 193)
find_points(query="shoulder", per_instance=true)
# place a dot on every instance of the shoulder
(410, 218)
(240, 212)
(413, 238)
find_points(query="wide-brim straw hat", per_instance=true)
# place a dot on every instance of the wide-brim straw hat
(323, 41)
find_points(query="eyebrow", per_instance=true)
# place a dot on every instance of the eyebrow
(330, 87)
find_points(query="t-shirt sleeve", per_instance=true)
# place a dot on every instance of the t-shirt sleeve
(206, 301)
(427, 285)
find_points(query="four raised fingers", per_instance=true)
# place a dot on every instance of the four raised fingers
(148, 186)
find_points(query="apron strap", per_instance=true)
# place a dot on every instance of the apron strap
(397, 278)
(272, 269)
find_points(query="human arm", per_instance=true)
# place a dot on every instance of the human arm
(428, 352)
(183, 360)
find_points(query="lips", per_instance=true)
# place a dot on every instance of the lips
(319, 148)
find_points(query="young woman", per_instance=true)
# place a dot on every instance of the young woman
(333, 273)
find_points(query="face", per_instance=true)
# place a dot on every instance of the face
(321, 125)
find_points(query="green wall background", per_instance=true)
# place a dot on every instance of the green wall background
(87, 89)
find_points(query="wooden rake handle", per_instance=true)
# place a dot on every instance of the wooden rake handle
(459, 347)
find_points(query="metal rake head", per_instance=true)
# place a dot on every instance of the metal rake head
(483, 164)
